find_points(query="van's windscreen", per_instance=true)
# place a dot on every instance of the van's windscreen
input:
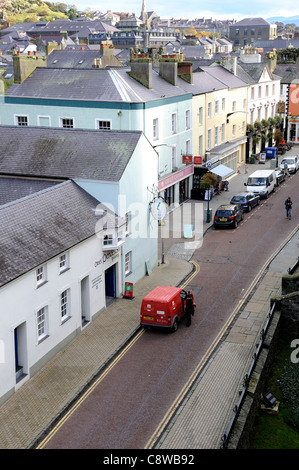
(256, 181)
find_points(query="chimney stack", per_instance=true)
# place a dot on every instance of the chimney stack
(229, 63)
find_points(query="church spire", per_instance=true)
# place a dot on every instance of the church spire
(144, 14)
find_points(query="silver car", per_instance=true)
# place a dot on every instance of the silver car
(292, 162)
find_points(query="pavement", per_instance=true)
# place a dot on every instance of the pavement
(207, 410)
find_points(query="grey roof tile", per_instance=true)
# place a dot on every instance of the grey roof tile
(66, 153)
(12, 189)
(41, 226)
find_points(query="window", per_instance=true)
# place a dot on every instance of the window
(188, 119)
(200, 145)
(223, 105)
(200, 116)
(188, 147)
(216, 107)
(244, 104)
(260, 91)
(243, 127)
(273, 89)
(216, 135)
(108, 240)
(128, 263)
(173, 123)
(209, 143)
(128, 222)
(21, 120)
(155, 129)
(234, 106)
(173, 157)
(234, 129)
(267, 90)
(41, 321)
(63, 262)
(64, 305)
(104, 125)
(223, 133)
(209, 109)
(40, 276)
(67, 123)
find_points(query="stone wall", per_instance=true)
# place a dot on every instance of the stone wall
(285, 321)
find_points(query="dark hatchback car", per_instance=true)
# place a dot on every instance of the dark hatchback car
(246, 200)
(280, 177)
(228, 216)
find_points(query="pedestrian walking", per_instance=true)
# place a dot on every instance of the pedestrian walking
(288, 205)
(286, 169)
(226, 185)
(189, 307)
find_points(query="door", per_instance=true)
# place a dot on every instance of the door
(20, 344)
(85, 301)
(110, 283)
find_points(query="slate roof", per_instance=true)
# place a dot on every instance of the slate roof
(223, 75)
(114, 85)
(66, 153)
(39, 227)
(12, 189)
(251, 22)
(253, 71)
(77, 59)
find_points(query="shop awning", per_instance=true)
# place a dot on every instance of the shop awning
(223, 171)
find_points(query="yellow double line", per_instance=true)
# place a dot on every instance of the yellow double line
(212, 347)
(88, 392)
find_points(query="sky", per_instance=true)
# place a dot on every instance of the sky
(216, 9)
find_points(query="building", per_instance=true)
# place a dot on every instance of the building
(117, 168)
(55, 275)
(141, 98)
(247, 31)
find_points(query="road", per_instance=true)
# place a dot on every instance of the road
(127, 405)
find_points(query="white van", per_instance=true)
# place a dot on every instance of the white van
(261, 182)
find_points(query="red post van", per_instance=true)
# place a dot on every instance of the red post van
(163, 307)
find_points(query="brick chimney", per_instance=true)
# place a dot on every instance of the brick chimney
(185, 71)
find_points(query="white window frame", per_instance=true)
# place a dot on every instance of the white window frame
(200, 116)
(155, 128)
(216, 136)
(223, 105)
(64, 262)
(209, 139)
(42, 323)
(209, 109)
(105, 126)
(18, 117)
(41, 275)
(188, 147)
(216, 107)
(222, 132)
(234, 130)
(188, 119)
(128, 263)
(200, 144)
(64, 305)
(174, 157)
(173, 123)
(234, 106)
(61, 122)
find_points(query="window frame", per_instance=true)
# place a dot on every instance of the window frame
(64, 306)
(62, 122)
(42, 323)
(17, 118)
(40, 275)
(104, 128)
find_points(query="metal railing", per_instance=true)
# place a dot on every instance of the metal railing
(294, 267)
(236, 409)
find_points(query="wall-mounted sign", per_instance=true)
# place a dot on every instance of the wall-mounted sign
(187, 158)
(197, 160)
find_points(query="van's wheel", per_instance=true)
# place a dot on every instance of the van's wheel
(175, 325)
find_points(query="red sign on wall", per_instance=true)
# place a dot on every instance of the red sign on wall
(187, 158)
(197, 160)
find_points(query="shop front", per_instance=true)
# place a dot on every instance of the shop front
(175, 188)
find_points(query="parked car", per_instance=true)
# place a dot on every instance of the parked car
(228, 215)
(246, 200)
(280, 177)
(292, 162)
